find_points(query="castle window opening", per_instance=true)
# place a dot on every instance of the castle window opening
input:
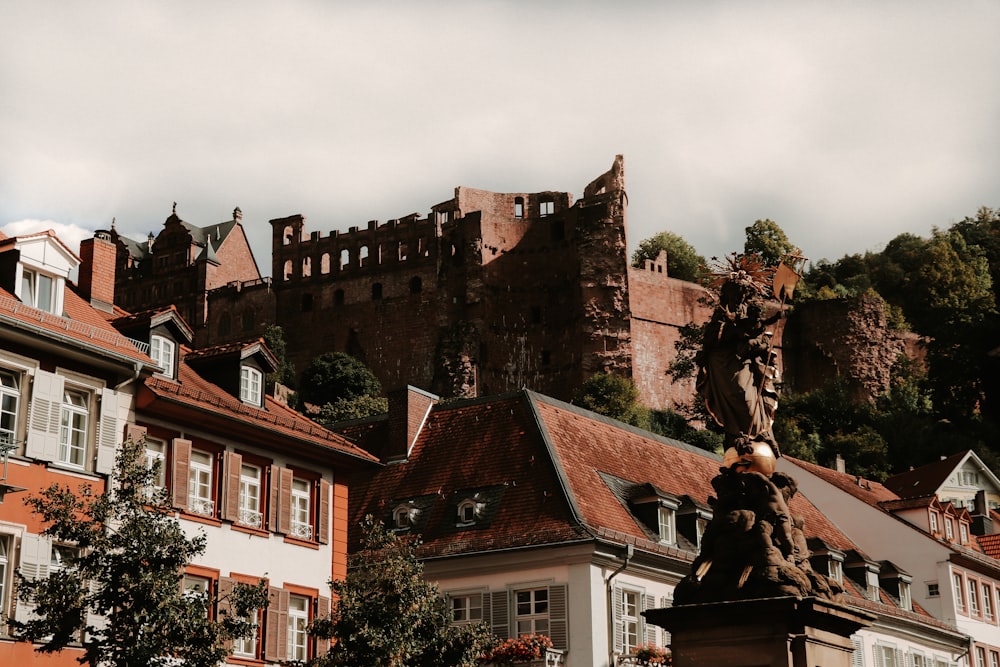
(288, 270)
(422, 250)
(287, 236)
(307, 303)
(376, 291)
(519, 207)
(547, 207)
(324, 263)
(444, 216)
(416, 285)
(306, 267)
(403, 250)
(338, 297)
(345, 259)
(363, 255)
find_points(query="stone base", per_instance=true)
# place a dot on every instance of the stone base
(770, 632)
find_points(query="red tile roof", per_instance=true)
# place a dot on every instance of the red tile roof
(859, 487)
(926, 479)
(990, 544)
(194, 392)
(83, 326)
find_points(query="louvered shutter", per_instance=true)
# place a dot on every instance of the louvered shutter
(665, 638)
(649, 602)
(284, 500)
(108, 432)
(276, 632)
(322, 609)
(36, 556)
(899, 658)
(499, 618)
(323, 529)
(857, 655)
(272, 498)
(233, 464)
(224, 608)
(45, 418)
(487, 610)
(95, 621)
(558, 626)
(180, 472)
(618, 611)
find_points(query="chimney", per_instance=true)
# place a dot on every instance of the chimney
(408, 410)
(97, 270)
(839, 464)
(982, 522)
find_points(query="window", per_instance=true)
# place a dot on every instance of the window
(156, 451)
(200, 491)
(73, 429)
(161, 350)
(666, 525)
(518, 207)
(934, 522)
(933, 590)
(970, 479)
(546, 208)
(836, 570)
(195, 586)
(416, 285)
(949, 529)
(918, 659)
(250, 383)
(973, 597)
(987, 601)
(298, 621)
(246, 647)
(38, 291)
(250, 483)
(401, 517)
(301, 517)
(888, 656)
(4, 563)
(994, 659)
(980, 656)
(10, 394)
(630, 620)
(963, 532)
(959, 592)
(468, 510)
(905, 601)
(466, 609)
(532, 611)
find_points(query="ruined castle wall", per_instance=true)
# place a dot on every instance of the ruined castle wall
(237, 311)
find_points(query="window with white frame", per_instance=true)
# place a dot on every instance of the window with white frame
(73, 428)
(934, 522)
(247, 647)
(298, 621)
(467, 512)
(836, 569)
(905, 600)
(466, 609)
(546, 208)
(887, 655)
(250, 484)
(10, 396)
(987, 601)
(918, 659)
(631, 606)
(198, 587)
(156, 458)
(980, 656)
(531, 613)
(200, 491)
(250, 384)
(959, 591)
(949, 528)
(5, 556)
(994, 659)
(666, 523)
(973, 598)
(970, 478)
(162, 351)
(301, 516)
(38, 290)
(933, 589)
(963, 532)
(401, 517)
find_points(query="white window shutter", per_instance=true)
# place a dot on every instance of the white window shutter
(45, 417)
(108, 432)
(857, 655)
(616, 593)
(36, 555)
(649, 602)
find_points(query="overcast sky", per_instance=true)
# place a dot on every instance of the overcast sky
(846, 122)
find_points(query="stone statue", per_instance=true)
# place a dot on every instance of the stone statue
(753, 547)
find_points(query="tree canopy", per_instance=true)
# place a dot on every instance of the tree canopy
(387, 614)
(343, 386)
(683, 261)
(767, 239)
(612, 396)
(118, 592)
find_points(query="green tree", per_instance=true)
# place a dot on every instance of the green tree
(274, 336)
(613, 396)
(352, 408)
(335, 376)
(683, 261)
(126, 564)
(387, 614)
(767, 239)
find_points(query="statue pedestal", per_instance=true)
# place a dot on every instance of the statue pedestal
(767, 632)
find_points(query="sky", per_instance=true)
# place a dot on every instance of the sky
(846, 122)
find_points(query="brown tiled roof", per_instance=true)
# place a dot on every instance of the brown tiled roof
(82, 326)
(990, 544)
(193, 391)
(859, 487)
(926, 479)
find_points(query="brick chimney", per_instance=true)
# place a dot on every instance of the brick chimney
(408, 410)
(98, 256)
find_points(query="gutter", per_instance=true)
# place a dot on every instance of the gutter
(70, 341)
(629, 552)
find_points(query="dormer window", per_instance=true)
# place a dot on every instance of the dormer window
(468, 512)
(935, 529)
(38, 290)
(402, 517)
(250, 385)
(963, 532)
(163, 351)
(949, 529)
(667, 527)
(835, 569)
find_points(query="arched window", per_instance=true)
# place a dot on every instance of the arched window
(287, 236)
(306, 267)
(288, 270)
(416, 285)
(324, 263)
(345, 259)
(402, 517)
(468, 510)
(363, 255)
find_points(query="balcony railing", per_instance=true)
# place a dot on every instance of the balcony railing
(301, 530)
(201, 506)
(249, 517)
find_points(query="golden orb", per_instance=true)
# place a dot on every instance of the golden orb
(761, 459)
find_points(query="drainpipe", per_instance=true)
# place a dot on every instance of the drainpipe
(629, 552)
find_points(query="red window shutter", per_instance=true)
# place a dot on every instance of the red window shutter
(272, 498)
(180, 472)
(284, 500)
(137, 433)
(225, 605)
(231, 486)
(323, 530)
(322, 609)
(276, 631)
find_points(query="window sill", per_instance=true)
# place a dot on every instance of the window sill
(200, 518)
(239, 527)
(301, 542)
(236, 660)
